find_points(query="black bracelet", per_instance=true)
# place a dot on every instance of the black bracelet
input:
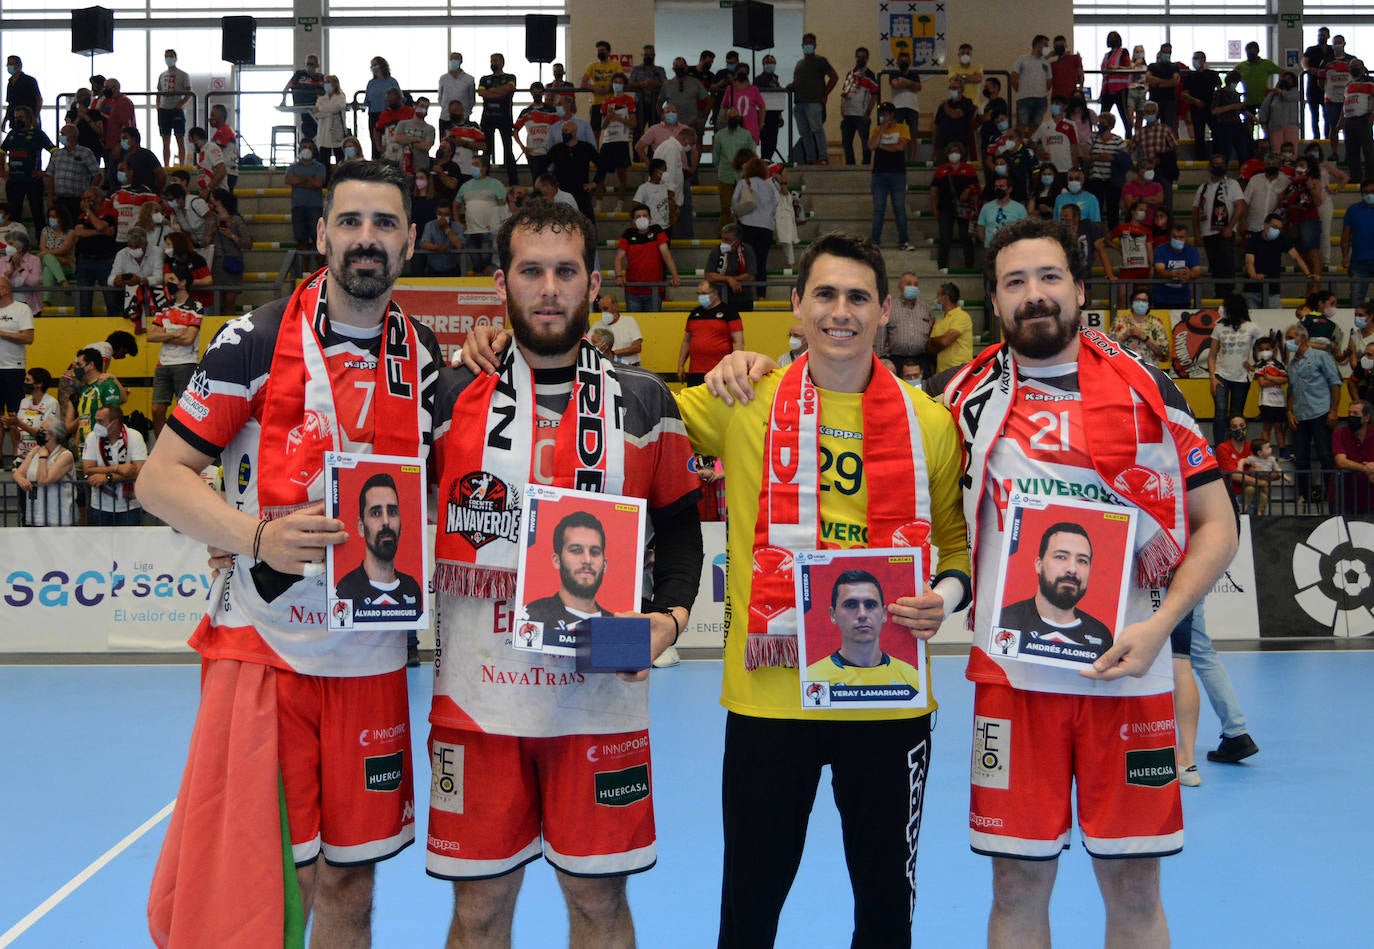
(677, 627)
(257, 537)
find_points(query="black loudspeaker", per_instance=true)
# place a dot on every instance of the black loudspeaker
(541, 33)
(753, 25)
(239, 40)
(93, 30)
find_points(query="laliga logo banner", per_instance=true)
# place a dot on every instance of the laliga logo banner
(1315, 576)
(87, 589)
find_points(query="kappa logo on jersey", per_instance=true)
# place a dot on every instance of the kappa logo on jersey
(231, 334)
(199, 385)
(991, 752)
(306, 445)
(483, 508)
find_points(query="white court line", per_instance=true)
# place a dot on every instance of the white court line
(68, 888)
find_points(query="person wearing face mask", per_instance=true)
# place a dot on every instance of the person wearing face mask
(95, 252)
(144, 170)
(642, 257)
(1336, 75)
(44, 475)
(653, 194)
(1229, 362)
(467, 140)
(328, 111)
(442, 243)
(1357, 242)
(534, 130)
(858, 97)
(1162, 79)
(1357, 112)
(1116, 81)
(94, 389)
(457, 84)
(21, 91)
(998, 212)
(1218, 216)
(796, 345)
(952, 123)
(1320, 322)
(1314, 60)
(994, 112)
(173, 92)
(415, 136)
(571, 162)
(907, 334)
(306, 177)
(1030, 81)
(646, 81)
(128, 202)
(731, 269)
(112, 457)
(1131, 238)
(617, 129)
(727, 143)
(1272, 378)
(16, 335)
(71, 169)
(1066, 69)
(1263, 193)
(1075, 193)
(1180, 263)
(117, 112)
(744, 97)
(136, 271)
(888, 146)
(496, 90)
(906, 84)
(627, 340)
(1301, 204)
(375, 97)
(1314, 395)
(774, 102)
(1353, 447)
(388, 119)
(1157, 141)
(23, 269)
(1281, 112)
(954, 199)
(57, 245)
(1361, 381)
(685, 98)
(33, 411)
(1228, 129)
(597, 78)
(1056, 138)
(1198, 87)
(963, 67)
(1264, 253)
(480, 198)
(21, 165)
(305, 87)
(813, 79)
(1145, 187)
(680, 154)
(714, 330)
(1106, 169)
(175, 325)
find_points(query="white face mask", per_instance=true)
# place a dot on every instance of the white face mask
(1367, 363)
(11, 250)
(136, 253)
(157, 217)
(1266, 354)
(642, 223)
(99, 431)
(54, 223)
(965, 58)
(1148, 175)
(166, 250)
(307, 155)
(725, 247)
(794, 344)
(956, 157)
(608, 317)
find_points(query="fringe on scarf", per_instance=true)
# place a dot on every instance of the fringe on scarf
(1157, 559)
(770, 650)
(483, 583)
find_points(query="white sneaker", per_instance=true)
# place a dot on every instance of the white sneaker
(1189, 777)
(668, 658)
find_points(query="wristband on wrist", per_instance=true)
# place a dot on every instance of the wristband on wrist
(677, 627)
(257, 537)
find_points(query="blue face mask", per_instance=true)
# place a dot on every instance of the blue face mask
(1291, 345)
(1176, 244)
(808, 49)
(1003, 125)
(1140, 307)
(1055, 110)
(911, 293)
(1271, 233)
(704, 299)
(1361, 322)
(1367, 197)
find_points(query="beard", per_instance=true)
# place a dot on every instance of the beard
(1063, 593)
(549, 340)
(1039, 341)
(383, 544)
(359, 285)
(576, 587)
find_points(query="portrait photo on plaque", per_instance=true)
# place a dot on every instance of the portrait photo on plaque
(851, 653)
(581, 556)
(379, 577)
(1062, 589)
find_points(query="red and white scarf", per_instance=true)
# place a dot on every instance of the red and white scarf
(299, 420)
(1131, 440)
(789, 516)
(492, 433)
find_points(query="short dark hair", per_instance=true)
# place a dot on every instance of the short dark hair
(551, 216)
(40, 377)
(196, 131)
(362, 169)
(134, 134)
(840, 244)
(379, 480)
(122, 341)
(850, 577)
(1033, 228)
(1064, 527)
(1257, 445)
(576, 519)
(91, 356)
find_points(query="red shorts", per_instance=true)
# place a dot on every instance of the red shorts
(587, 796)
(1029, 748)
(344, 745)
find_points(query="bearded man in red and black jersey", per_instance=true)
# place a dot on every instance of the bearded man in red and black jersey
(303, 731)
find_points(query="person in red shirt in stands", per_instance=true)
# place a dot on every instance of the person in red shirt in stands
(1230, 453)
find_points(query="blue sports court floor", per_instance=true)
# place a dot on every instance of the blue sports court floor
(1277, 852)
